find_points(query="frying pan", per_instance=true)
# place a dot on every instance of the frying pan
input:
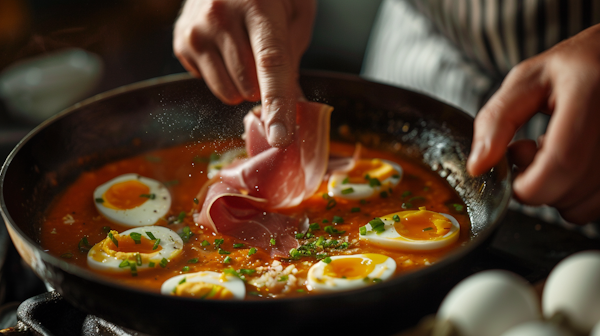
(166, 111)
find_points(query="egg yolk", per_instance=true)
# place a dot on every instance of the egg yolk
(375, 168)
(126, 195)
(354, 267)
(203, 290)
(422, 224)
(129, 245)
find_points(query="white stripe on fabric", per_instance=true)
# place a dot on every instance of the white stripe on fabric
(476, 31)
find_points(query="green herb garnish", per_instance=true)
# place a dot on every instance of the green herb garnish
(374, 182)
(186, 234)
(185, 269)
(218, 242)
(67, 255)
(396, 218)
(181, 217)
(383, 194)
(133, 269)
(137, 237)
(150, 196)
(299, 235)
(320, 241)
(252, 251)
(205, 243)
(272, 241)
(377, 225)
(151, 264)
(124, 263)
(163, 263)
(337, 219)
(84, 245)
(196, 201)
(346, 180)
(150, 235)
(283, 278)
(406, 193)
(332, 230)
(247, 271)
(314, 226)
(182, 281)
(155, 246)
(221, 251)
(355, 209)
(193, 261)
(238, 245)
(347, 191)
(114, 240)
(327, 260)
(362, 230)
(99, 200)
(428, 228)
(458, 207)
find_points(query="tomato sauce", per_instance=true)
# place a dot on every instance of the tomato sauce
(183, 169)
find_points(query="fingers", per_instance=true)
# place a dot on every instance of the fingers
(275, 68)
(521, 153)
(519, 97)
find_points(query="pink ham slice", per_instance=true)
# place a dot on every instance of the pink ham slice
(239, 203)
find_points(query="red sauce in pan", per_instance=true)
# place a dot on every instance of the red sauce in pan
(183, 169)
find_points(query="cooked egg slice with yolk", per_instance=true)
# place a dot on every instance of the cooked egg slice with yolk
(346, 272)
(367, 178)
(412, 230)
(145, 247)
(132, 200)
(205, 285)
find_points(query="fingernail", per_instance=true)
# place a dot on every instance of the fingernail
(277, 134)
(474, 157)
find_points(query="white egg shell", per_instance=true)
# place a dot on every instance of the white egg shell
(390, 238)
(335, 185)
(234, 284)
(319, 282)
(573, 288)
(537, 328)
(170, 242)
(596, 330)
(147, 213)
(489, 303)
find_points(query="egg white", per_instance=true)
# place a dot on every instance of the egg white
(390, 238)
(170, 242)
(336, 184)
(148, 213)
(319, 282)
(225, 159)
(234, 284)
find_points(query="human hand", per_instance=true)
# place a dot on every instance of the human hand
(561, 170)
(246, 50)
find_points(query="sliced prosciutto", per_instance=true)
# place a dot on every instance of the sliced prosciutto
(241, 199)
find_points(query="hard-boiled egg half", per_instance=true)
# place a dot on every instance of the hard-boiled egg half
(132, 200)
(136, 249)
(205, 285)
(413, 230)
(368, 177)
(347, 272)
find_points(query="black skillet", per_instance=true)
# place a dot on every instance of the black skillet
(170, 110)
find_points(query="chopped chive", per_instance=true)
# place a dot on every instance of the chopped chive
(196, 201)
(407, 205)
(150, 196)
(314, 226)
(227, 260)
(362, 230)
(247, 271)
(150, 235)
(299, 235)
(347, 191)
(294, 254)
(67, 255)
(346, 180)
(377, 225)
(221, 251)
(99, 200)
(231, 271)
(193, 261)
(239, 245)
(114, 240)
(367, 279)
(383, 194)
(124, 263)
(155, 246)
(406, 193)
(151, 264)
(331, 204)
(355, 209)
(324, 221)
(84, 245)
(133, 269)
(283, 278)
(182, 281)
(428, 228)
(363, 201)
(185, 269)
(254, 293)
(205, 243)
(181, 217)
(252, 251)
(163, 263)
(272, 241)
(396, 176)
(457, 207)
(337, 219)
(320, 241)
(186, 234)
(374, 183)
(138, 259)
(218, 242)
(137, 237)
(214, 157)
(376, 280)
(106, 229)
(343, 245)
(325, 196)
(396, 218)
(327, 260)
(367, 177)
(331, 230)
(300, 290)
(309, 235)
(321, 256)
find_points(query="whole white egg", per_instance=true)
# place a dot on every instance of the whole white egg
(573, 288)
(132, 200)
(489, 303)
(537, 328)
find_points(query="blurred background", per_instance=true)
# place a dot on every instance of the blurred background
(54, 53)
